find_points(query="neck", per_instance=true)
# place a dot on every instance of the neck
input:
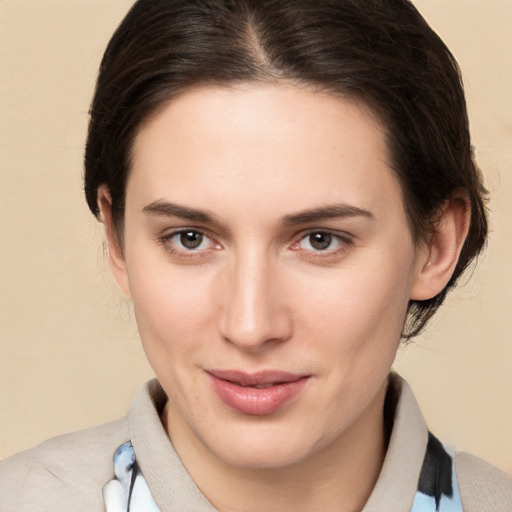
(340, 476)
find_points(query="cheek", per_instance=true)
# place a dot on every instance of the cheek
(172, 308)
(361, 303)
(173, 314)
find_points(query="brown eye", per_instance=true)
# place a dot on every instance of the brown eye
(191, 239)
(320, 241)
(189, 242)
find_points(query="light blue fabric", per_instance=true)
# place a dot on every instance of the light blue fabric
(128, 491)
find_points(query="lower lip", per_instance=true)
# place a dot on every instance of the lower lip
(254, 401)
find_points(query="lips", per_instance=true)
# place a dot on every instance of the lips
(258, 394)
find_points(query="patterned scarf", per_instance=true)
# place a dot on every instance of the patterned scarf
(438, 490)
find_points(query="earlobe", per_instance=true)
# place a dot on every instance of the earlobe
(115, 252)
(439, 255)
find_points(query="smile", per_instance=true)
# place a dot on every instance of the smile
(257, 394)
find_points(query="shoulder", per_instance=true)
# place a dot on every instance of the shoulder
(482, 486)
(65, 473)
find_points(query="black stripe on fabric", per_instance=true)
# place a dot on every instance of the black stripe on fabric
(135, 472)
(436, 472)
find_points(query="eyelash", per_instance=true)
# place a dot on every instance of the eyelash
(343, 242)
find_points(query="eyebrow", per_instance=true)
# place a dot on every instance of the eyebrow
(334, 211)
(166, 209)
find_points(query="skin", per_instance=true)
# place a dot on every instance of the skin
(258, 293)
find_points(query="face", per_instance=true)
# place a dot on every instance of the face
(270, 263)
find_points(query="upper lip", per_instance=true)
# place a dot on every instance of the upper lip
(257, 378)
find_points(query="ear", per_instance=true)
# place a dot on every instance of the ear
(115, 252)
(438, 256)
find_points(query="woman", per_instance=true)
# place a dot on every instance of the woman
(288, 190)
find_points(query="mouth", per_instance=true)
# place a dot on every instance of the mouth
(256, 394)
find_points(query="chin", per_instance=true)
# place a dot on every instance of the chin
(271, 448)
(266, 459)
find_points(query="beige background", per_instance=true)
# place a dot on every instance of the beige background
(69, 353)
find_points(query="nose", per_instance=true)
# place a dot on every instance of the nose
(254, 313)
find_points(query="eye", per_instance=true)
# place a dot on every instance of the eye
(317, 241)
(188, 241)
(321, 241)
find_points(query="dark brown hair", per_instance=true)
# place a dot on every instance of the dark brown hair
(379, 51)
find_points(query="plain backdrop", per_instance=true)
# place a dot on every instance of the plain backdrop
(69, 350)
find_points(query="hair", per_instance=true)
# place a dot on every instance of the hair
(380, 52)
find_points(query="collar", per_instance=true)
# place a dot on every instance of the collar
(395, 488)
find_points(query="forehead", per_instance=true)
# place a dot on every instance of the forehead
(262, 145)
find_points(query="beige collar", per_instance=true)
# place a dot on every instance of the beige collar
(170, 483)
